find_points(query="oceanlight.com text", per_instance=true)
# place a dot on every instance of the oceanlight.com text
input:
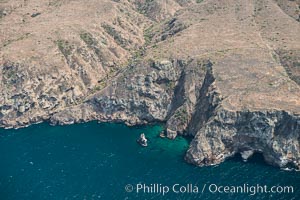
(250, 189)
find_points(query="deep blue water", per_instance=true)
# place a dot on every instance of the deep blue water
(97, 161)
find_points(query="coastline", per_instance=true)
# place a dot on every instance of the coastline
(51, 159)
(234, 93)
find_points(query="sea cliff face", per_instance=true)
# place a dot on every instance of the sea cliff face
(223, 72)
(275, 134)
(194, 107)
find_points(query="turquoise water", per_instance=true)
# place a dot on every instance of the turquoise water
(97, 161)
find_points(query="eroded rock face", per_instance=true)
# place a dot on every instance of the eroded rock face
(273, 133)
(137, 98)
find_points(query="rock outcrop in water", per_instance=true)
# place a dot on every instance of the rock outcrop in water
(224, 72)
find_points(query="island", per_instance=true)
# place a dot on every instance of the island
(226, 73)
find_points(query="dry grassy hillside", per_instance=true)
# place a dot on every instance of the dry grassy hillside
(55, 54)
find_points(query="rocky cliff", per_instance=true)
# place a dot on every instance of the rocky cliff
(223, 72)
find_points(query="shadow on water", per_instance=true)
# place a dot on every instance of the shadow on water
(256, 159)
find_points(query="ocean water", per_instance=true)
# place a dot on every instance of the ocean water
(102, 161)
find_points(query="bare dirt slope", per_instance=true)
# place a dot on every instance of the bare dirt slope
(225, 72)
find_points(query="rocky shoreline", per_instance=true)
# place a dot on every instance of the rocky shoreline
(192, 107)
(223, 72)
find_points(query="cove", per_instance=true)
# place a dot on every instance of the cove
(97, 161)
